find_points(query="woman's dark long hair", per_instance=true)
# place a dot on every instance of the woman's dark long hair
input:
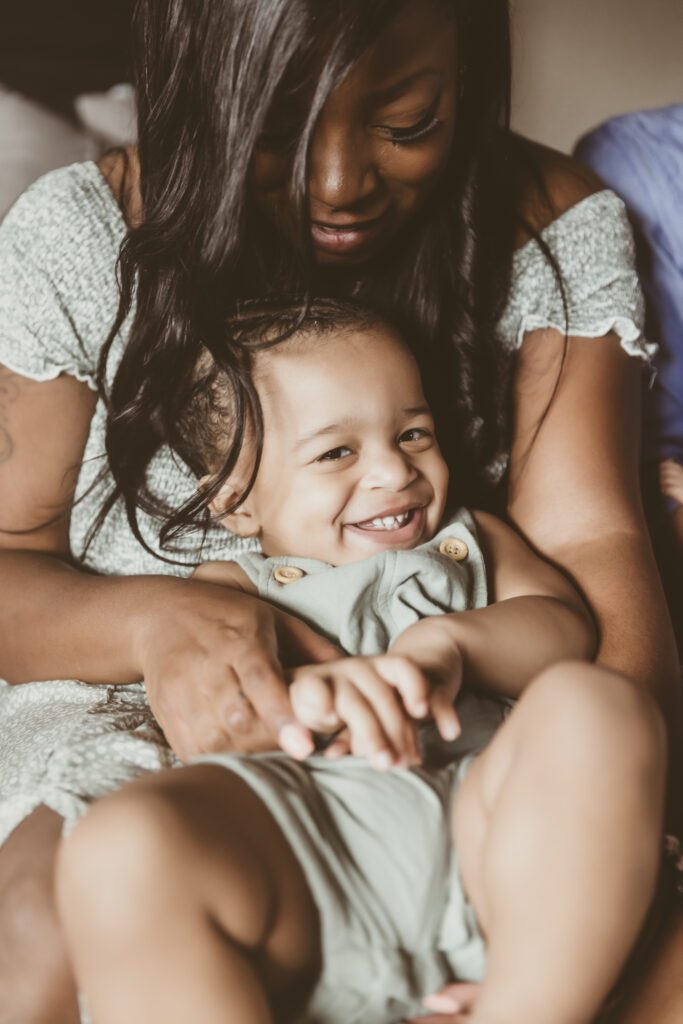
(208, 72)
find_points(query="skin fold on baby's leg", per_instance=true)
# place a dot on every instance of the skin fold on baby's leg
(558, 830)
(206, 915)
(36, 981)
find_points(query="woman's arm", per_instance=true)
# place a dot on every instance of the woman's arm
(574, 493)
(199, 647)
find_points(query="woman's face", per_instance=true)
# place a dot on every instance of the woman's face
(381, 143)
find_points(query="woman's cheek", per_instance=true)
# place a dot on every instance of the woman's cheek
(413, 171)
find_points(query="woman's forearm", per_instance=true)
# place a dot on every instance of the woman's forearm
(59, 623)
(618, 577)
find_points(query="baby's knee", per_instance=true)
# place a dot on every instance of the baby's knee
(117, 855)
(591, 707)
(36, 982)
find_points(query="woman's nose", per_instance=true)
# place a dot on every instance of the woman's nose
(390, 471)
(341, 170)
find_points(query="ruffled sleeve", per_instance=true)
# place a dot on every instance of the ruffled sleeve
(58, 294)
(593, 245)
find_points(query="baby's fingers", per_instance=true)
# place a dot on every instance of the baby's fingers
(444, 714)
(409, 680)
(367, 737)
(312, 700)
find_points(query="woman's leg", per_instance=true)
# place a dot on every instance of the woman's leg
(36, 982)
(181, 900)
(558, 825)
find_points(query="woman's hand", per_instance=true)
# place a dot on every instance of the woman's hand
(209, 656)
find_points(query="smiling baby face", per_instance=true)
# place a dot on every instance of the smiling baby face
(350, 463)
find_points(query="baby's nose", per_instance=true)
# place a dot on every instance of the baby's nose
(391, 471)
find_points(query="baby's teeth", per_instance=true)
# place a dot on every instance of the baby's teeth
(389, 522)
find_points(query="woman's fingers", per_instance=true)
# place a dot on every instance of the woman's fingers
(262, 683)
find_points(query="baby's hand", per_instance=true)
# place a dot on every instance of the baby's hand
(378, 699)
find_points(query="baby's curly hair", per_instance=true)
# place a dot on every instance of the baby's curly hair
(212, 423)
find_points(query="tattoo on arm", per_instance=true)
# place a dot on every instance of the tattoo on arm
(9, 393)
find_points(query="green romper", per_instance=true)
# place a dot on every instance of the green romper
(376, 846)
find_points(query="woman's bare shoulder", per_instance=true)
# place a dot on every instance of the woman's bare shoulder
(560, 182)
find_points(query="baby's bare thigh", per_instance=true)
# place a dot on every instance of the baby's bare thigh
(36, 983)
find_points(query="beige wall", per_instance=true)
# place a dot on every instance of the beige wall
(578, 62)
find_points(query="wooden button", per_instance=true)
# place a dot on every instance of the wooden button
(288, 573)
(453, 548)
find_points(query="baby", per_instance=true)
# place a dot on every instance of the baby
(524, 854)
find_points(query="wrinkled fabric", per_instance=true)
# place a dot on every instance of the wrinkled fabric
(377, 854)
(364, 606)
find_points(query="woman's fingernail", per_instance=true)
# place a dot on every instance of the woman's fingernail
(382, 760)
(295, 741)
(421, 709)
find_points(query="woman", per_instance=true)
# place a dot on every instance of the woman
(408, 193)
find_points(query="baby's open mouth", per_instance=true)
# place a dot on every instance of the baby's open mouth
(387, 522)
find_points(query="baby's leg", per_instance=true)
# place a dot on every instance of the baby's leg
(182, 901)
(558, 827)
(36, 982)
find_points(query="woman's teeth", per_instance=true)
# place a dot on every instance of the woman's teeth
(386, 522)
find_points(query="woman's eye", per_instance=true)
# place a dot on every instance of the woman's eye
(335, 454)
(420, 130)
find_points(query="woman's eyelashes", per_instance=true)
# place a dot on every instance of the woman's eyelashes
(426, 125)
(282, 132)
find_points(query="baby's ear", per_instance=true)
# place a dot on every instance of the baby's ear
(241, 519)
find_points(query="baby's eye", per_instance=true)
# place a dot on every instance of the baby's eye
(335, 454)
(415, 434)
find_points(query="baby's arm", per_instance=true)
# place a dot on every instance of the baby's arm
(537, 618)
(376, 699)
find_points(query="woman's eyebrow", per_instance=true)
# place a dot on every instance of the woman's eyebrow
(398, 88)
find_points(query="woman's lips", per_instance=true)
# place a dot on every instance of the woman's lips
(346, 238)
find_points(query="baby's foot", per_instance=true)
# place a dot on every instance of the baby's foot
(671, 480)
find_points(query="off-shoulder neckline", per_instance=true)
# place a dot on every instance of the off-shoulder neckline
(568, 214)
